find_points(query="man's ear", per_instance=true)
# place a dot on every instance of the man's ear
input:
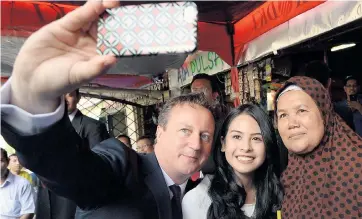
(159, 131)
(215, 95)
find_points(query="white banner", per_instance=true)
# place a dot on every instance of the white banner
(199, 62)
(316, 21)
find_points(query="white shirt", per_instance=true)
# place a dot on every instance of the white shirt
(169, 182)
(22, 121)
(16, 197)
(196, 202)
(72, 115)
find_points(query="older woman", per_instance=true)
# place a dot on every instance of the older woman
(323, 178)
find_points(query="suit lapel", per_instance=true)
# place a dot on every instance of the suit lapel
(77, 122)
(156, 183)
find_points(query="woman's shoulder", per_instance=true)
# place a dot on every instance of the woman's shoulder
(196, 202)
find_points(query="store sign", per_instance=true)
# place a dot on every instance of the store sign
(268, 16)
(316, 21)
(200, 62)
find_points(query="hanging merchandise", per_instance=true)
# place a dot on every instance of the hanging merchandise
(268, 70)
(228, 87)
(257, 88)
(250, 75)
(250, 83)
(241, 86)
(270, 100)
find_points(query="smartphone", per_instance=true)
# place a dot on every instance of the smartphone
(148, 38)
(353, 97)
(148, 29)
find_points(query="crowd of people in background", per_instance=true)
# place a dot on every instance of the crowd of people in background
(205, 160)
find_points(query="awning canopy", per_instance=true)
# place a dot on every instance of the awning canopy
(224, 26)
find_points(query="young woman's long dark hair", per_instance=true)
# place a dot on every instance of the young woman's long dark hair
(227, 196)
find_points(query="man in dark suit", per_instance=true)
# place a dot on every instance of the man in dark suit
(111, 180)
(90, 130)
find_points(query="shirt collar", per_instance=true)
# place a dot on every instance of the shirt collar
(170, 182)
(9, 179)
(72, 115)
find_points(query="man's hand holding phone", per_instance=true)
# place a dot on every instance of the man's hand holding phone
(59, 58)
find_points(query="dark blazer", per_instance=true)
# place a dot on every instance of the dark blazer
(109, 181)
(90, 130)
(52, 206)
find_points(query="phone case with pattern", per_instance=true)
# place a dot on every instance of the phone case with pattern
(148, 29)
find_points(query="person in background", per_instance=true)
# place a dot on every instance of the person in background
(125, 140)
(323, 176)
(246, 181)
(350, 109)
(17, 169)
(145, 144)
(208, 85)
(16, 193)
(204, 83)
(90, 130)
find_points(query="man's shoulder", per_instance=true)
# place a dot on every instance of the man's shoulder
(20, 181)
(359, 98)
(90, 120)
(341, 103)
(340, 106)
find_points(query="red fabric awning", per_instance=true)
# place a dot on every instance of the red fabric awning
(224, 27)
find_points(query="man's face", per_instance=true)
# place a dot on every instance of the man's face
(351, 87)
(184, 144)
(72, 100)
(3, 165)
(144, 146)
(14, 164)
(203, 86)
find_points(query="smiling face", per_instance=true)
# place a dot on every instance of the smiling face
(144, 146)
(351, 87)
(184, 144)
(244, 145)
(300, 122)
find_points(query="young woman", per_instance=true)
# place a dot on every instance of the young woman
(246, 181)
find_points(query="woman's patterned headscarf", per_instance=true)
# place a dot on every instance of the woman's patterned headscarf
(326, 183)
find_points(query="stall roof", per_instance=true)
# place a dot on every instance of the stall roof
(224, 26)
(209, 11)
